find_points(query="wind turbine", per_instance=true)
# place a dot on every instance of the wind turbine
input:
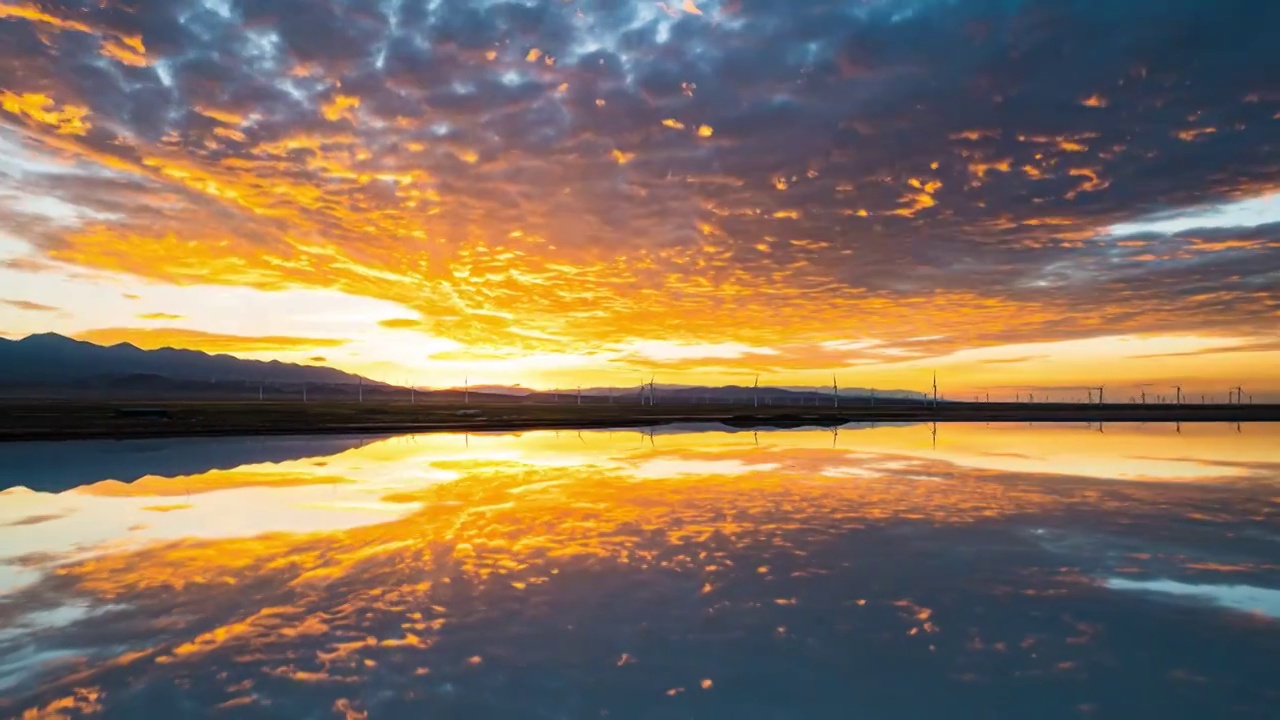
(466, 389)
(756, 391)
(1177, 397)
(835, 392)
(653, 398)
(360, 390)
(935, 388)
(579, 394)
(1239, 395)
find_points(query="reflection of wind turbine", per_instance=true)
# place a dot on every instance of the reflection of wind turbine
(933, 430)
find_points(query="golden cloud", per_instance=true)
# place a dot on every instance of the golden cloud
(154, 338)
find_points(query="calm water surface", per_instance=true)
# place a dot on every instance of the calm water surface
(893, 572)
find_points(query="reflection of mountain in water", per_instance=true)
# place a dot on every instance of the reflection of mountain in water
(56, 466)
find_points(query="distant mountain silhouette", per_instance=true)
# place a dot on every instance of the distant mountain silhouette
(740, 394)
(52, 360)
(54, 366)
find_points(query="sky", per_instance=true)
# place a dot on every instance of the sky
(1021, 195)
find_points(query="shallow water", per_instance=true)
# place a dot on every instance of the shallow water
(962, 571)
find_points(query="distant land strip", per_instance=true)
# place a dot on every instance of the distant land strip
(78, 420)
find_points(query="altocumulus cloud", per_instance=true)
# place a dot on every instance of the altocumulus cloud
(749, 171)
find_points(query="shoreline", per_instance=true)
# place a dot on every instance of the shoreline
(62, 421)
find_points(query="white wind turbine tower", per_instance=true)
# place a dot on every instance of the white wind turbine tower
(466, 389)
(835, 392)
(1177, 396)
(653, 398)
(360, 390)
(579, 394)
(756, 393)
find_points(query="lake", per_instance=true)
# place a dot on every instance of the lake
(914, 571)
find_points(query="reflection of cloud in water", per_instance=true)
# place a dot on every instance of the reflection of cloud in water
(508, 578)
(664, 468)
(1245, 598)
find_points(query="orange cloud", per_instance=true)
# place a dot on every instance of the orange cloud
(400, 323)
(67, 120)
(128, 51)
(29, 306)
(153, 338)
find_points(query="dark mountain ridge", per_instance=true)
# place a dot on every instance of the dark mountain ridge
(50, 359)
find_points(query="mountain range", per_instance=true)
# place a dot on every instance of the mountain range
(52, 365)
(52, 359)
